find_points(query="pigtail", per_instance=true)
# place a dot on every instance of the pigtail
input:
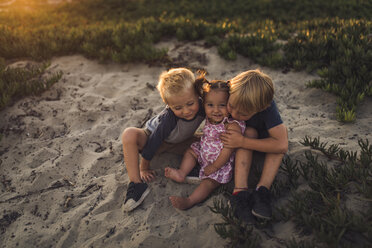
(201, 83)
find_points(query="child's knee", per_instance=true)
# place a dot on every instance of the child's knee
(129, 135)
(250, 132)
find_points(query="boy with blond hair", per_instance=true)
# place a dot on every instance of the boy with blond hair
(175, 124)
(251, 100)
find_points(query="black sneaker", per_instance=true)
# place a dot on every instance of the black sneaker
(136, 193)
(262, 203)
(242, 207)
(193, 176)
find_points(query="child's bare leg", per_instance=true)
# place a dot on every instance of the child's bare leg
(133, 140)
(261, 196)
(243, 161)
(200, 193)
(270, 169)
(188, 162)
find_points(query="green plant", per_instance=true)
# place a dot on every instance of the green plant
(320, 208)
(331, 37)
(300, 244)
(239, 234)
(19, 82)
(323, 209)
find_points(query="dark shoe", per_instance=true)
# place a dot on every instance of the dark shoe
(136, 193)
(193, 176)
(242, 207)
(262, 203)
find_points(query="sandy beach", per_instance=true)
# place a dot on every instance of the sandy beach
(63, 178)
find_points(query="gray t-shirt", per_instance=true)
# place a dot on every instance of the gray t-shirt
(167, 127)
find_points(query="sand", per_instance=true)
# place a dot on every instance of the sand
(63, 178)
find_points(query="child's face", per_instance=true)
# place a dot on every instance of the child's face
(184, 105)
(215, 104)
(236, 113)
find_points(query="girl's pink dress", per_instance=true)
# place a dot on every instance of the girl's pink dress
(209, 148)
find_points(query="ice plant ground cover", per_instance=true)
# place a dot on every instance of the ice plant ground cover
(19, 82)
(331, 38)
(324, 190)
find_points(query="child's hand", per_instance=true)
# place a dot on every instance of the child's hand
(232, 139)
(147, 175)
(210, 169)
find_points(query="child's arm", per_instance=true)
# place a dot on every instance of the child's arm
(224, 155)
(166, 124)
(164, 127)
(277, 142)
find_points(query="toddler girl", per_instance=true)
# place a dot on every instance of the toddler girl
(216, 161)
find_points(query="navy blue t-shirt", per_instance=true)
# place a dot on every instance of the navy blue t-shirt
(264, 120)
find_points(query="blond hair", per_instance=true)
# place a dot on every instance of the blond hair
(174, 82)
(254, 91)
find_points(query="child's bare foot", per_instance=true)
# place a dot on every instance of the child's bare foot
(174, 174)
(180, 202)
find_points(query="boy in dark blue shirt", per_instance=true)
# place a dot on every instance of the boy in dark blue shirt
(251, 100)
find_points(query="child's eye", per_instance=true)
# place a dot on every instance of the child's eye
(209, 104)
(222, 105)
(190, 103)
(177, 108)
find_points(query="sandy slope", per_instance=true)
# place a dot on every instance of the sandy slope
(61, 166)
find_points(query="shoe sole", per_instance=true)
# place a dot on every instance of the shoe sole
(130, 207)
(260, 216)
(193, 180)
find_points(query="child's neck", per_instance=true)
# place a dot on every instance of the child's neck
(214, 122)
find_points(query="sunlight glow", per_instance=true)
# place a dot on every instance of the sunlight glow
(6, 5)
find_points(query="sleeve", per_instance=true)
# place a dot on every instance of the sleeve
(167, 122)
(272, 116)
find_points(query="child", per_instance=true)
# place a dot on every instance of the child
(175, 124)
(215, 160)
(251, 100)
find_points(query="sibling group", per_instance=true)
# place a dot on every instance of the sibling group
(240, 117)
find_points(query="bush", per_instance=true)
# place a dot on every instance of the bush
(19, 82)
(332, 37)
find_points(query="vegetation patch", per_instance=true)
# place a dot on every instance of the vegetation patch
(332, 38)
(332, 208)
(20, 82)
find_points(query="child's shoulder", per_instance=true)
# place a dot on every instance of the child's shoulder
(166, 115)
(270, 117)
(166, 112)
(272, 107)
(270, 112)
